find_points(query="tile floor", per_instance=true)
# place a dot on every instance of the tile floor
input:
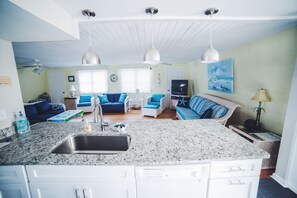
(269, 188)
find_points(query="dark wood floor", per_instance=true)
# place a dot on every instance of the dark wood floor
(134, 115)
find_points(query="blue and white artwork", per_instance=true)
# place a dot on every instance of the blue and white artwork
(220, 76)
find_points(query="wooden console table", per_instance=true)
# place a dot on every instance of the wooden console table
(266, 140)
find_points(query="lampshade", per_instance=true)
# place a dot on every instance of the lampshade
(210, 55)
(152, 57)
(261, 96)
(90, 58)
(72, 88)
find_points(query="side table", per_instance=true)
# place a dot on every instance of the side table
(266, 140)
(70, 103)
(135, 102)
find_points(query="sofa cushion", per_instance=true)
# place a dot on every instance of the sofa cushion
(153, 103)
(30, 110)
(195, 102)
(84, 104)
(43, 107)
(151, 106)
(187, 113)
(157, 97)
(42, 117)
(103, 99)
(113, 97)
(54, 112)
(219, 111)
(183, 102)
(207, 114)
(85, 98)
(113, 107)
(122, 97)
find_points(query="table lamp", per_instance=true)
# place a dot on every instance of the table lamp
(72, 91)
(261, 96)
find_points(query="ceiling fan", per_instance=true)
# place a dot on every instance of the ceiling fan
(35, 64)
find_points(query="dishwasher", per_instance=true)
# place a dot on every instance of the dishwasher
(180, 181)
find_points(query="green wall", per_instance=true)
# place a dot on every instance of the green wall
(267, 63)
(32, 85)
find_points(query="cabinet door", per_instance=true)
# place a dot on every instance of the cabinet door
(56, 190)
(241, 187)
(109, 190)
(14, 190)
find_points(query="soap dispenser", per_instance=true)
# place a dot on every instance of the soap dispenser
(22, 124)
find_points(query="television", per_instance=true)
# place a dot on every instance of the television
(179, 87)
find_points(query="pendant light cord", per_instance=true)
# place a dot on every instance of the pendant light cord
(210, 31)
(152, 34)
(90, 42)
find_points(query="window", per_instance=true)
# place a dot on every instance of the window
(92, 81)
(132, 79)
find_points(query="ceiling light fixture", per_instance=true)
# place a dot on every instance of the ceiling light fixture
(90, 58)
(210, 55)
(152, 56)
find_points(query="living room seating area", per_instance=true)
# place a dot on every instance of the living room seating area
(114, 102)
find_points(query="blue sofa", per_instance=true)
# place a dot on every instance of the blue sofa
(116, 102)
(41, 111)
(205, 106)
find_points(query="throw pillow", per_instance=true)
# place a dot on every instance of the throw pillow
(122, 98)
(206, 114)
(43, 107)
(103, 99)
(183, 102)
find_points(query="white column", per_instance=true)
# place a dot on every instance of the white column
(286, 171)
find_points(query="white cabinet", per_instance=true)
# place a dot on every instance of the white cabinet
(234, 179)
(82, 181)
(172, 181)
(13, 182)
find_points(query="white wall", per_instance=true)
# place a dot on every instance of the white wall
(286, 172)
(10, 95)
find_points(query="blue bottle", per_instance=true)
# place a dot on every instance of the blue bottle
(22, 124)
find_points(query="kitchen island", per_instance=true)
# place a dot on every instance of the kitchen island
(184, 150)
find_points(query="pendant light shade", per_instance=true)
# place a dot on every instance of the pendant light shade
(210, 55)
(90, 57)
(152, 56)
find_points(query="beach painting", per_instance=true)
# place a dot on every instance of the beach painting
(220, 76)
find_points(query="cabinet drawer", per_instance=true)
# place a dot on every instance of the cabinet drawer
(80, 173)
(240, 187)
(235, 168)
(12, 174)
(19, 190)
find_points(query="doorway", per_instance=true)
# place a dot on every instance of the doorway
(57, 87)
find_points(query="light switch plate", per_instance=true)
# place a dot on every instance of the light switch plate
(2, 115)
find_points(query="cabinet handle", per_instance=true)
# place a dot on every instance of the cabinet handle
(236, 183)
(85, 193)
(236, 169)
(77, 193)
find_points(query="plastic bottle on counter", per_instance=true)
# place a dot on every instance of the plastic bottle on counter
(87, 126)
(22, 124)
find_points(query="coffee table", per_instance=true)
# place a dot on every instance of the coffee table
(66, 116)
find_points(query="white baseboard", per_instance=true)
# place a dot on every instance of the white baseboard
(283, 182)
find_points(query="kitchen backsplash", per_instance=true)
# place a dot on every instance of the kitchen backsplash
(9, 131)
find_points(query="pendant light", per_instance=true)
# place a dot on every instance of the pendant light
(152, 56)
(210, 55)
(90, 58)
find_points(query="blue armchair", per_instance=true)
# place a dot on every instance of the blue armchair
(157, 99)
(85, 103)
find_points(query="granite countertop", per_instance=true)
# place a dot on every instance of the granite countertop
(153, 142)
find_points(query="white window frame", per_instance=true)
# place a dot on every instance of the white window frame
(93, 89)
(136, 83)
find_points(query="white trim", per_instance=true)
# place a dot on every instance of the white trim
(283, 182)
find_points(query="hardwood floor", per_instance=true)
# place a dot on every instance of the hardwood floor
(133, 115)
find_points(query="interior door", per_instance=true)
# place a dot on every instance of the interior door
(57, 87)
(173, 73)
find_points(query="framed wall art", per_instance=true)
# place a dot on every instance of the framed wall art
(220, 76)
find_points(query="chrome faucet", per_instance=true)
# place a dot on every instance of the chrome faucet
(98, 112)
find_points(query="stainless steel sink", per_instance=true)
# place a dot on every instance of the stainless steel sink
(88, 144)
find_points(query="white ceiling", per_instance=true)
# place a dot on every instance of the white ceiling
(121, 30)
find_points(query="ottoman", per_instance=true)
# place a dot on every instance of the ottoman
(151, 110)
